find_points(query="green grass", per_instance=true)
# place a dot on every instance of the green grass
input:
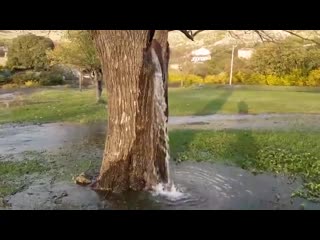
(68, 105)
(291, 153)
(210, 100)
(74, 106)
(14, 175)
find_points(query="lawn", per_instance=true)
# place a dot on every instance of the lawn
(292, 153)
(74, 106)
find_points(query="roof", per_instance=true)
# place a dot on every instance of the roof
(201, 52)
(246, 49)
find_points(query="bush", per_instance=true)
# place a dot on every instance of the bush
(4, 76)
(32, 83)
(50, 79)
(3, 80)
(21, 78)
(176, 77)
(313, 78)
(191, 79)
(10, 86)
(240, 77)
(221, 78)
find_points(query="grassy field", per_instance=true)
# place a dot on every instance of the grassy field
(292, 153)
(72, 105)
(61, 105)
(210, 100)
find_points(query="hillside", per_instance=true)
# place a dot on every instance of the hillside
(55, 35)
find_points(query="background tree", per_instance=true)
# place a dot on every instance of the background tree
(29, 52)
(78, 50)
(283, 57)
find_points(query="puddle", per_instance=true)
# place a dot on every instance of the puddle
(201, 186)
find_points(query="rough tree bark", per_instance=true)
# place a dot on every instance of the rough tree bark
(136, 65)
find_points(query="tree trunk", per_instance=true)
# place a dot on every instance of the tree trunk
(98, 83)
(136, 151)
(80, 80)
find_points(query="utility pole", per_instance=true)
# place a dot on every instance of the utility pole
(231, 69)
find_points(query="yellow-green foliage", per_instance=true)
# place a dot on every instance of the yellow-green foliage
(10, 86)
(191, 79)
(32, 83)
(313, 78)
(176, 77)
(295, 78)
(221, 78)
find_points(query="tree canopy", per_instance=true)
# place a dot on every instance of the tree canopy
(29, 52)
(78, 50)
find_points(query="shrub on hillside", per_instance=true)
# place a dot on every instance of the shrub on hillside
(50, 79)
(220, 78)
(32, 83)
(10, 86)
(176, 77)
(21, 78)
(191, 79)
(313, 78)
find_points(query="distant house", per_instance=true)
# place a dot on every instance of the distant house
(245, 53)
(3, 51)
(3, 55)
(201, 55)
(174, 66)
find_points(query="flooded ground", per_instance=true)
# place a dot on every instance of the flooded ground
(201, 186)
(68, 149)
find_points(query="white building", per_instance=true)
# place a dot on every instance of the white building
(201, 55)
(3, 55)
(245, 53)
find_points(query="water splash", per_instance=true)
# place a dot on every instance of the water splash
(169, 192)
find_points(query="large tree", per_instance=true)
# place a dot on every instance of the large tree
(135, 63)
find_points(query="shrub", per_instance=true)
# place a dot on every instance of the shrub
(3, 79)
(220, 78)
(176, 77)
(10, 86)
(191, 79)
(50, 79)
(21, 78)
(32, 83)
(240, 77)
(313, 78)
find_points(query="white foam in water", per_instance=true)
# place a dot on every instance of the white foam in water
(171, 193)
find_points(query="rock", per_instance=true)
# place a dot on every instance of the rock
(82, 179)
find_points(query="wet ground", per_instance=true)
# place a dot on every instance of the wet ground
(68, 149)
(201, 185)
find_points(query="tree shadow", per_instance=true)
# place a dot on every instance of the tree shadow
(186, 137)
(243, 150)
(243, 108)
(214, 106)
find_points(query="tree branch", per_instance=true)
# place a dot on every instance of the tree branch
(301, 37)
